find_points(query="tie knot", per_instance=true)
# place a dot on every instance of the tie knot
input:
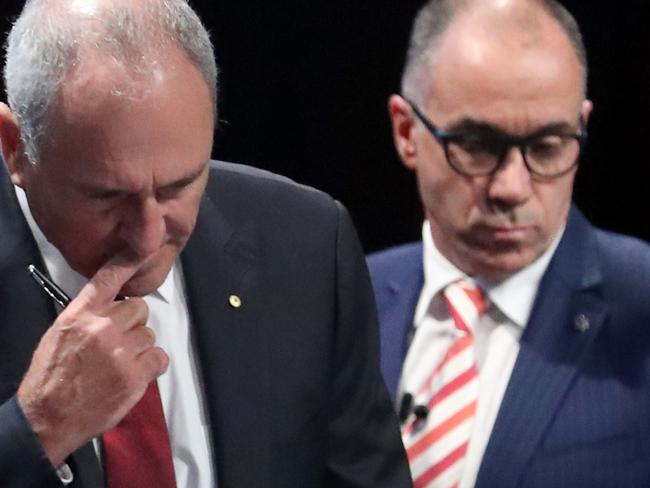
(466, 303)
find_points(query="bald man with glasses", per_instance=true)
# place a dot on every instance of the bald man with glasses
(515, 335)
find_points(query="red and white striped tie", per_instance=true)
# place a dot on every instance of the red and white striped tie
(436, 445)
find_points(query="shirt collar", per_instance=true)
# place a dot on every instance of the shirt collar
(514, 296)
(60, 271)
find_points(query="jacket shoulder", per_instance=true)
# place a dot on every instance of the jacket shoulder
(276, 211)
(625, 264)
(252, 185)
(622, 250)
(398, 257)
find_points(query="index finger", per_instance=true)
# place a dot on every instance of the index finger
(108, 280)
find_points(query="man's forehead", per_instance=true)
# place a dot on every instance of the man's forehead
(510, 62)
(513, 29)
(95, 81)
(163, 117)
(98, 82)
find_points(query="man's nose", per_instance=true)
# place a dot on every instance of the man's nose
(143, 228)
(511, 184)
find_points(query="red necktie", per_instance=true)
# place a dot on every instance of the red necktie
(436, 445)
(137, 453)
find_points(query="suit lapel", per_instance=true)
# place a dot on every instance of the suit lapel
(397, 298)
(222, 261)
(567, 315)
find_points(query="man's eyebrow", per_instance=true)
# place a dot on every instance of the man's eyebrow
(486, 129)
(107, 192)
(183, 181)
(99, 191)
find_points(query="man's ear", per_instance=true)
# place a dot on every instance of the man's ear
(10, 144)
(403, 130)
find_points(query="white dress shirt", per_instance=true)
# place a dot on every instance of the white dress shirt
(180, 386)
(496, 337)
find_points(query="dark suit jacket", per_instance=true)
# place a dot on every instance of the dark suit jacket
(576, 412)
(292, 383)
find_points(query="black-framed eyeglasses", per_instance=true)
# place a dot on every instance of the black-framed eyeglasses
(546, 155)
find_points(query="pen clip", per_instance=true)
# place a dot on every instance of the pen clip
(51, 288)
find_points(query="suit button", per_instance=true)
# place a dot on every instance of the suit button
(581, 323)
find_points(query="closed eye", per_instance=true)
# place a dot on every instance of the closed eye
(104, 194)
(474, 144)
(173, 189)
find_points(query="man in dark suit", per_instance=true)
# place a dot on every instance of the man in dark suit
(219, 311)
(492, 119)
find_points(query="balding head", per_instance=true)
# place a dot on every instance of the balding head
(492, 128)
(55, 42)
(523, 24)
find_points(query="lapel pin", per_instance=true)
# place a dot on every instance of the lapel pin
(234, 301)
(581, 323)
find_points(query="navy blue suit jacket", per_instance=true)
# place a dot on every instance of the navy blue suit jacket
(576, 412)
(292, 387)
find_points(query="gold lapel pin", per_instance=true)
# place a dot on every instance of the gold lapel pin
(234, 301)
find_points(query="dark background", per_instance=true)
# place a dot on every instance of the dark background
(303, 90)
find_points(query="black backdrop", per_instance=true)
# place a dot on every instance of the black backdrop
(303, 89)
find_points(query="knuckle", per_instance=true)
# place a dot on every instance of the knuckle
(65, 324)
(72, 316)
(90, 339)
(136, 308)
(80, 328)
(148, 337)
(141, 306)
(79, 303)
(158, 361)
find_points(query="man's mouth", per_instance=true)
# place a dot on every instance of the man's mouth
(509, 232)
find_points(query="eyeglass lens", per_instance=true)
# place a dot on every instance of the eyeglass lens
(547, 155)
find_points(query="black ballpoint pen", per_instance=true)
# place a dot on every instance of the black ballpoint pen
(49, 286)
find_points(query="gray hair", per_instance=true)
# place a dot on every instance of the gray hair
(433, 20)
(47, 41)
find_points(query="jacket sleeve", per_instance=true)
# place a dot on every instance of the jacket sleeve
(23, 462)
(365, 447)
